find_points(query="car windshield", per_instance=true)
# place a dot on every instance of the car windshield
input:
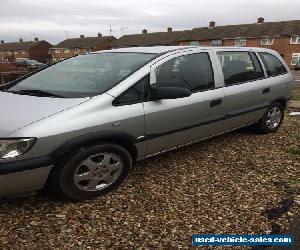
(84, 75)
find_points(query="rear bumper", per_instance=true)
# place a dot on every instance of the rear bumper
(25, 181)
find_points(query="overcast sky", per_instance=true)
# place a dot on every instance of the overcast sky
(54, 20)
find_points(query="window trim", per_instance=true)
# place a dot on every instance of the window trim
(269, 76)
(297, 38)
(214, 40)
(298, 54)
(245, 51)
(268, 43)
(195, 43)
(240, 39)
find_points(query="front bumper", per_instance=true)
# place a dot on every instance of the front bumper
(23, 182)
(23, 176)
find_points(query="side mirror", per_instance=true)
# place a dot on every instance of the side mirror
(297, 67)
(160, 93)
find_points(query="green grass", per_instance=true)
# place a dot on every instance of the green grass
(294, 151)
(295, 181)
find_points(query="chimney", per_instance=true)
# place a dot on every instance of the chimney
(99, 34)
(36, 39)
(81, 36)
(212, 24)
(20, 40)
(170, 29)
(260, 20)
(145, 31)
(2, 41)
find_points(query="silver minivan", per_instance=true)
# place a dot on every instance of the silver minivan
(77, 127)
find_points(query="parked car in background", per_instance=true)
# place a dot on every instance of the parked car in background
(90, 117)
(32, 64)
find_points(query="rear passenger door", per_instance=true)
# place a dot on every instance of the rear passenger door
(175, 122)
(278, 81)
(244, 90)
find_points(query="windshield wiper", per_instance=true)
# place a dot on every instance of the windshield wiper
(35, 92)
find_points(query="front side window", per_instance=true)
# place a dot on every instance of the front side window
(267, 40)
(272, 64)
(295, 40)
(193, 72)
(67, 50)
(85, 75)
(134, 94)
(240, 42)
(295, 58)
(239, 66)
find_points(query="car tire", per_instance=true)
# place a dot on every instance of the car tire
(272, 119)
(90, 172)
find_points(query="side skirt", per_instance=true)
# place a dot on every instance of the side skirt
(193, 142)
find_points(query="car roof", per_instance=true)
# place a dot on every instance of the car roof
(166, 49)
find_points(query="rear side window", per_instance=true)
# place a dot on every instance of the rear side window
(240, 66)
(193, 72)
(272, 64)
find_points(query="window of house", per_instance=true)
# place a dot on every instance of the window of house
(240, 66)
(295, 40)
(295, 58)
(216, 43)
(67, 50)
(134, 94)
(272, 64)
(77, 50)
(194, 43)
(240, 42)
(23, 52)
(57, 51)
(267, 41)
(16, 52)
(193, 72)
(9, 52)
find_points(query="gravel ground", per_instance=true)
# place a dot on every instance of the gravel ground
(222, 185)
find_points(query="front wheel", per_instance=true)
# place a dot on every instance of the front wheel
(272, 118)
(91, 172)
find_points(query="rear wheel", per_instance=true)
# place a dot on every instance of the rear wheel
(91, 172)
(272, 118)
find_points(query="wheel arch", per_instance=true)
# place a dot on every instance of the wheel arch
(281, 100)
(120, 138)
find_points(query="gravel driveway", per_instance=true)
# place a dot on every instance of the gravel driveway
(222, 185)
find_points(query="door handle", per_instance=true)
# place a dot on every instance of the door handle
(266, 90)
(215, 102)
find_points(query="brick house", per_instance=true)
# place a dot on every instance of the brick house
(35, 50)
(148, 39)
(75, 46)
(284, 37)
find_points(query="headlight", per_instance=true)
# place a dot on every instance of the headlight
(10, 148)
